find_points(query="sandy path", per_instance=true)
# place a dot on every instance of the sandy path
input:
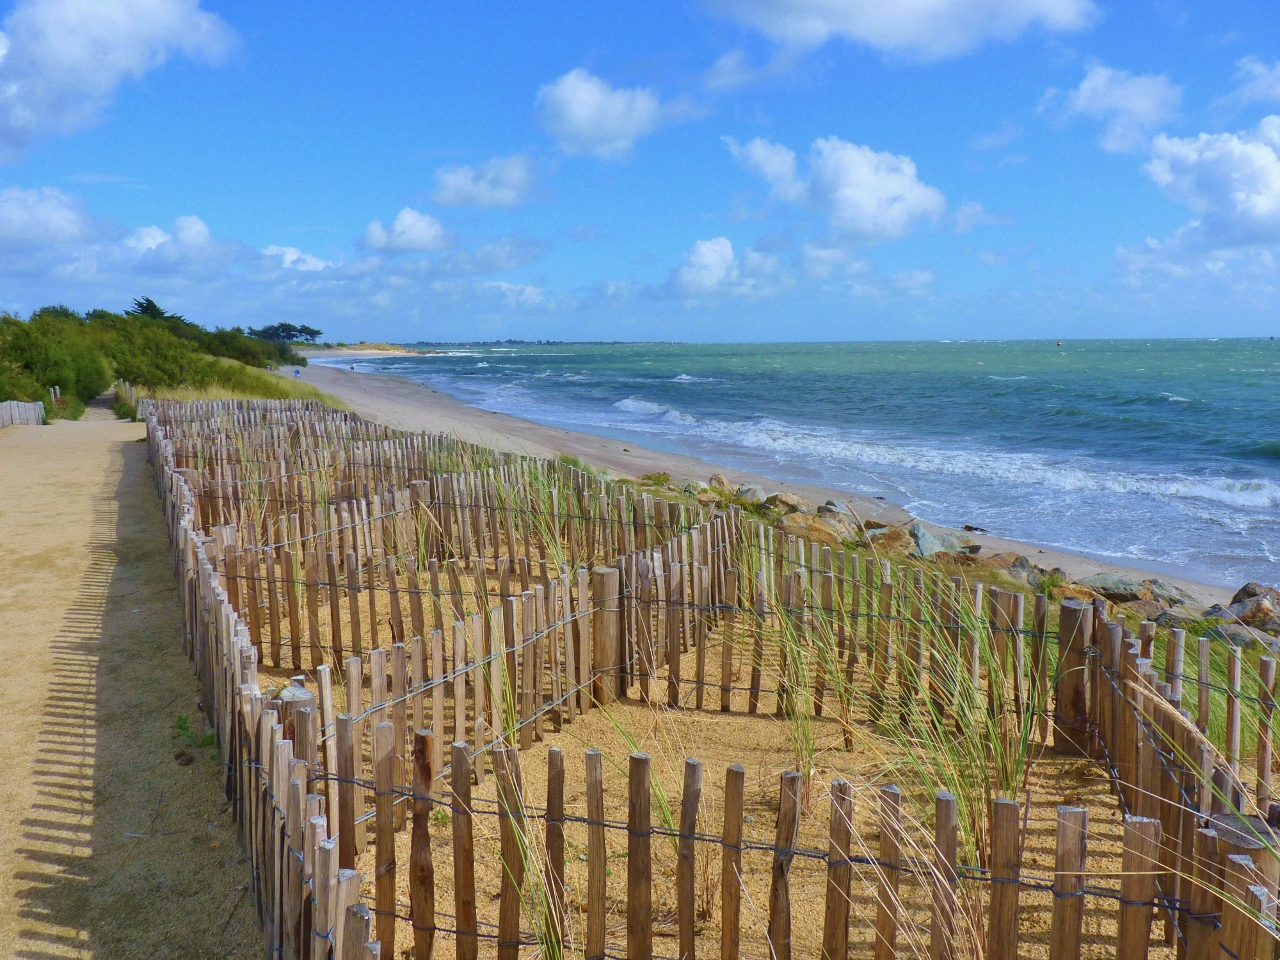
(412, 406)
(108, 847)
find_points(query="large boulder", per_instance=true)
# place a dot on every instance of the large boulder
(1167, 592)
(1117, 588)
(927, 544)
(891, 540)
(720, 484)
(1254, 589)
(1240, 636)
(1147, 609)
(1180, 616)
(828, 529)
(789, 503)
(751, 492)
(1259, 612)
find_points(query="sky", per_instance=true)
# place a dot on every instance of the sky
(710, 170)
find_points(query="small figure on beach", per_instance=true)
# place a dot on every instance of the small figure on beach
(297, 374)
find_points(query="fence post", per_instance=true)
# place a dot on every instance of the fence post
(422, 871)
(385, 878)
(555, 846)
(1002, 926)
(511, 827)
(639, 864)
(835, 927)
(1068, 884)
(464, 864)
(731, 864)
(1137, 887)
(945, 841)
(608, 682)
(596, 856)
(783, 853)
(886, 945)
(686, 898)
(1070, 711)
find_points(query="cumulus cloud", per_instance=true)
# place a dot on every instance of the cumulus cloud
(773, 163)
(411, 231)
(40, 216)
(865, 193)
(825, 262)
(711, 264)
(61, 61)
(870, 193)
(1131, 107)
(1230, 181)
(291, 258)
(587, 115)
(500, 182)
(922, 29)
(1257, 82)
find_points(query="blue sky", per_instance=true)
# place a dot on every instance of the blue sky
(709, 170)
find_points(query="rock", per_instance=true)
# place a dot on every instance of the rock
(832, 507)
(1254, 589)
(1147, 609)
(1117, 588)
(708, 497)
(829, 529)
(892, 540)
(692, 487)
(1239, 636)
(1171, 595)
(1259, 612)
(751, 492)
(1179, 616)
(720, 483)
(789, 502)
(1073, 591)
(927, 544)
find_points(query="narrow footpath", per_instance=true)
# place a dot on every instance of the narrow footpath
(114, 836)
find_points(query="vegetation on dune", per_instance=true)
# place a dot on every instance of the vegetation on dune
(161, 353)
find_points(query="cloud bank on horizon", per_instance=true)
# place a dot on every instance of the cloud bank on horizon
(731, 169)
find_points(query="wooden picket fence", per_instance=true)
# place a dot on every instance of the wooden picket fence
(16, 412)
(472, 602)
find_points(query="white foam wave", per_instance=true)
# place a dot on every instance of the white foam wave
(992, 376)
(789, 442)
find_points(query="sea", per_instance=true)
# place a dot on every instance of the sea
(1159, 454)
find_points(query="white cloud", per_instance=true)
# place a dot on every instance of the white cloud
(1132, 107)
(1258, 83)
(586, 115)
(146, 238)
(500, 182)
(1230, 181)
(711, 264)
(870, 193)
(923, 29)
(61, 61)
(773, 162)
(515, 294)
(40, 216)
(822, 263)
(865, 192)
(291, 258)
(411, 230)
(972, 214)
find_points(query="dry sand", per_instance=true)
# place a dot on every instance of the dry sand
(411, 406)
(108, 847)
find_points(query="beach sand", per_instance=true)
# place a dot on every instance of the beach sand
(401, 403)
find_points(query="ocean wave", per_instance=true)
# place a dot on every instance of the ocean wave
(1174, 398)
(789, 442)
(685, 378)
(992, 376)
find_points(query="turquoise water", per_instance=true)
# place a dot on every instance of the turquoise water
(1163, 454)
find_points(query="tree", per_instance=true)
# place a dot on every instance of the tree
(286, 333)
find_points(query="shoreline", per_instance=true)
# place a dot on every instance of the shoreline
(406, 404)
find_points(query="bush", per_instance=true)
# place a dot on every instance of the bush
(146, 346)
